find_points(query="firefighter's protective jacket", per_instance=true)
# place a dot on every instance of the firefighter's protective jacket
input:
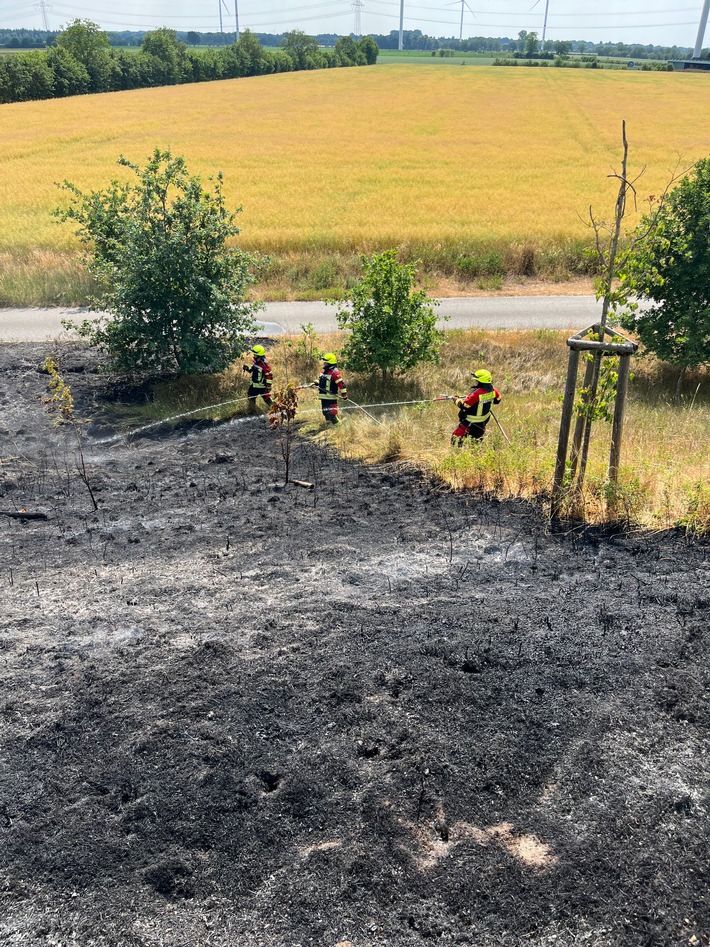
(261, 375)
(475, 408)
(331, 384)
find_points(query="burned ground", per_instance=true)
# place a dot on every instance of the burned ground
(372, 713)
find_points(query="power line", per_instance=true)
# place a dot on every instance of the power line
(508, 26)
(518, 14)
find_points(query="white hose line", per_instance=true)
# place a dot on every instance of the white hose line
(174, 417)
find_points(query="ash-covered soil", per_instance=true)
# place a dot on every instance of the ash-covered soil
(374, 713)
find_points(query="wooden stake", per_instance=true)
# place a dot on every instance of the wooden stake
(565, 422)
(622, 386)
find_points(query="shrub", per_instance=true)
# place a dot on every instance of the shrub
(175, 292)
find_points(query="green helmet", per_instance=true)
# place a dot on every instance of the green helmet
(483, 376)
(259, 350)
(330, 359)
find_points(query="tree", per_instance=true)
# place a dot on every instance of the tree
(25, 76)
(70, 76)
(562, 47)
(669, 264)
(175, 292)
(392, 326)
(346, 49)
(532, 44)
(370, 49)
(89, 45)
(301, 48)
(193, 38)
(165, 47)
(254, 54)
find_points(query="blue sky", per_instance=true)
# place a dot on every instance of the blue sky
(643, 21)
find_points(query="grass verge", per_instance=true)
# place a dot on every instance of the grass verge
(665, 472)
(458, 267)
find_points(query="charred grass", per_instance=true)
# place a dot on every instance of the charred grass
(379, 712)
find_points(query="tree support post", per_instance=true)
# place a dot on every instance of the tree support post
(565, 423)
(579, 424)
(617, 426)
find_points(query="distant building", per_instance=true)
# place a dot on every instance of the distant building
(698, 64)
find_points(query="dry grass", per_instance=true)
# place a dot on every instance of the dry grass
(664, 480)
(42, 278)
(666, 469)
(440, 162)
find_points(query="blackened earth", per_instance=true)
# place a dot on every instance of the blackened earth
(374, 713)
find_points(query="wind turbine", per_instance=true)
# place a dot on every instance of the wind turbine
(544, 23)
(701, 30)
(464, 3)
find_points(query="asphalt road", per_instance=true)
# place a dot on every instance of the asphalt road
(486, 312)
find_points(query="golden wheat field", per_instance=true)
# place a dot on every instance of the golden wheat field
(358, 158)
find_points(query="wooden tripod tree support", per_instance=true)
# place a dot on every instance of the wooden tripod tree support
(581, 342)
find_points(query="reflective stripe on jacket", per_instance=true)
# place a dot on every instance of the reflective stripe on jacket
(330, 384)
(261, 376)
(476, 406)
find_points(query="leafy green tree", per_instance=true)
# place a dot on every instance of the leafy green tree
(89, 45)
(247, 57)
(346, 49)
(24, 77)
(255, 56)
(562, 47)
(532, 44)
(280, 60)
(301, 48)
(392, 326)
(70, 76)
(369, 49)
(669, 264)
(175, 292)
(170, 52)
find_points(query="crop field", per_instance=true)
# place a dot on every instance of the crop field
(443, 162)
(422, 57)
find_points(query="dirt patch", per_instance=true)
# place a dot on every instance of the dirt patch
(374, 713)
(443, 287)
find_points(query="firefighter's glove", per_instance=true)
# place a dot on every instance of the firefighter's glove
(245, 368)
(344, 396)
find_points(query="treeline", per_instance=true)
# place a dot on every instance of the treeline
(38, 39)
(412, 39)
(583, 62)
(415, 39)
(83, 61)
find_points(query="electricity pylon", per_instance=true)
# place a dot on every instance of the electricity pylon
(358, 7)
(43, 11)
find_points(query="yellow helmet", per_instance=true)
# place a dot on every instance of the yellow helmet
(330, 359)
(259, 350)
(483, 376)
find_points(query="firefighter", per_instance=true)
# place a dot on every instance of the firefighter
(261, 377)
(475, 408)
(330, 385)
